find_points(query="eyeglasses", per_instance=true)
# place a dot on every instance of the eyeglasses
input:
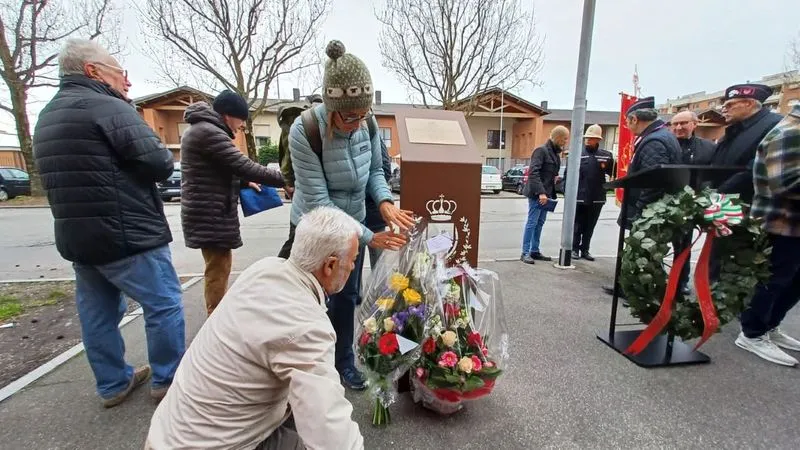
(118, 69)
(355, 118)
(732, 103)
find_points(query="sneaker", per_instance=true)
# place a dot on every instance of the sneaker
(540, 257)
(587, 256)
(783, 340)
(764, 348)
(527, 259)
(140, 376)
(352, 379)
(158, 393)
(576, 254)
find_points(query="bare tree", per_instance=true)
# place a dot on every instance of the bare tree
(31, 32)
(794, 54)
(447, 51)
(241, 45)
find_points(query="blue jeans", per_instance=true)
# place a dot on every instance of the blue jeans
(150, 279)
(533, 227)
(341, 310)
(781, 292)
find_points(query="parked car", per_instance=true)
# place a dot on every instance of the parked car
(490, 179)
(13, 182)
(171, 187)
(512, 179)
(394, 182)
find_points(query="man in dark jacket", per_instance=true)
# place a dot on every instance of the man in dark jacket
(541, 187)
(99, 163)
(596, 163)
(694, 150)
(212, 171)
(697, 151)
(748, 122)
(654, 145)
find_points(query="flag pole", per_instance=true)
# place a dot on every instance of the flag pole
(576, 135)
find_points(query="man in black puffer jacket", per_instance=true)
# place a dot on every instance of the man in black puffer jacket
(655, 145)
(99, 163)
(213, 170)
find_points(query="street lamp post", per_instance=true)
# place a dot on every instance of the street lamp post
(576, 135)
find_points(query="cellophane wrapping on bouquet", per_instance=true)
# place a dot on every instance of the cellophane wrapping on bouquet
(393, 317)
(466, 349)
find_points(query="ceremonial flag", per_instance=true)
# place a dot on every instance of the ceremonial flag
(625, 151)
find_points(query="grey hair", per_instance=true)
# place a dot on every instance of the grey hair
(323, 232)
(645, 115)
(76, 53)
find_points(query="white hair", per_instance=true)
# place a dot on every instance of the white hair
(76, 53)
(323, 232)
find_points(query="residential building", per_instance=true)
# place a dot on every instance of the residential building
(505, 127)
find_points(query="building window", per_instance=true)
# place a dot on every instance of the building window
(261, 133)
(386, 135)
(494, 162)
(182, 127)
(494, 139)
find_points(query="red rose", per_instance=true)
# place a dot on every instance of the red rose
(387, 344)
(475, 340)
(364, 339)
(429, 346)
(451, 310)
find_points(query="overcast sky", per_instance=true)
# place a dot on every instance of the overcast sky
(680, 46)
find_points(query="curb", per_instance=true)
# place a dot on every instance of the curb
(37, 373)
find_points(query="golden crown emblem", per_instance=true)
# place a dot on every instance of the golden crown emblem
(441, 210)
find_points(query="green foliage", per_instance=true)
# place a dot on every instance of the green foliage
(644, 277)
(9, 307)
(268, 153)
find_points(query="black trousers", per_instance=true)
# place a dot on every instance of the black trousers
(286, 249)
(781, 292)
(586, 216)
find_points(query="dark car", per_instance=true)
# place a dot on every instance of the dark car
(394, 182)
(13, 182)
(512, 179)
(171, 187)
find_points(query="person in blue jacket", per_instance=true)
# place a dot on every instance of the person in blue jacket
(349, 168)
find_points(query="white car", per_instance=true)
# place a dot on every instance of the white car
(490, 179)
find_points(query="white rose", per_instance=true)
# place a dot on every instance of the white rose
(388, 324)
(371, 325)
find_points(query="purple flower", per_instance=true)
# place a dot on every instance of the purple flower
(418, 311)
(399, 318)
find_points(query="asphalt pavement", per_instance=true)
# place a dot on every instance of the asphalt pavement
(563, 389)
(27, 245)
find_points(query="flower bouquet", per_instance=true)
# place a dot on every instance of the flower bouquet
(393, 317)
(466, 347)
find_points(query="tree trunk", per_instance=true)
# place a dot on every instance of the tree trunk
(20, 106)
(250, 140)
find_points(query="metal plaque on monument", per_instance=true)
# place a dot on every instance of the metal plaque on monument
(441, 177)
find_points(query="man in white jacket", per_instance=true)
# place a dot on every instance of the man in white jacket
(260, 373)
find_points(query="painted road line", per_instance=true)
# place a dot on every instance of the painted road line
(70, 353)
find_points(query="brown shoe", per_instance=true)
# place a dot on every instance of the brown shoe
(159, 393)
(140, 375)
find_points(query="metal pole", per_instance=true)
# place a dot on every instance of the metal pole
(502, 133)
(576, 135)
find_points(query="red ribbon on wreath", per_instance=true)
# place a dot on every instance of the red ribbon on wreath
(721, 213)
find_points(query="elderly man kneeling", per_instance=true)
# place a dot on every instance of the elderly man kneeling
(266, 354)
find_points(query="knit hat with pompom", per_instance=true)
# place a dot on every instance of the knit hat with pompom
(347, 84)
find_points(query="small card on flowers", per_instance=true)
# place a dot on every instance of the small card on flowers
(406, 345)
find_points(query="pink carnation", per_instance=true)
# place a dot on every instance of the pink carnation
(476, 364)
(448, 359)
